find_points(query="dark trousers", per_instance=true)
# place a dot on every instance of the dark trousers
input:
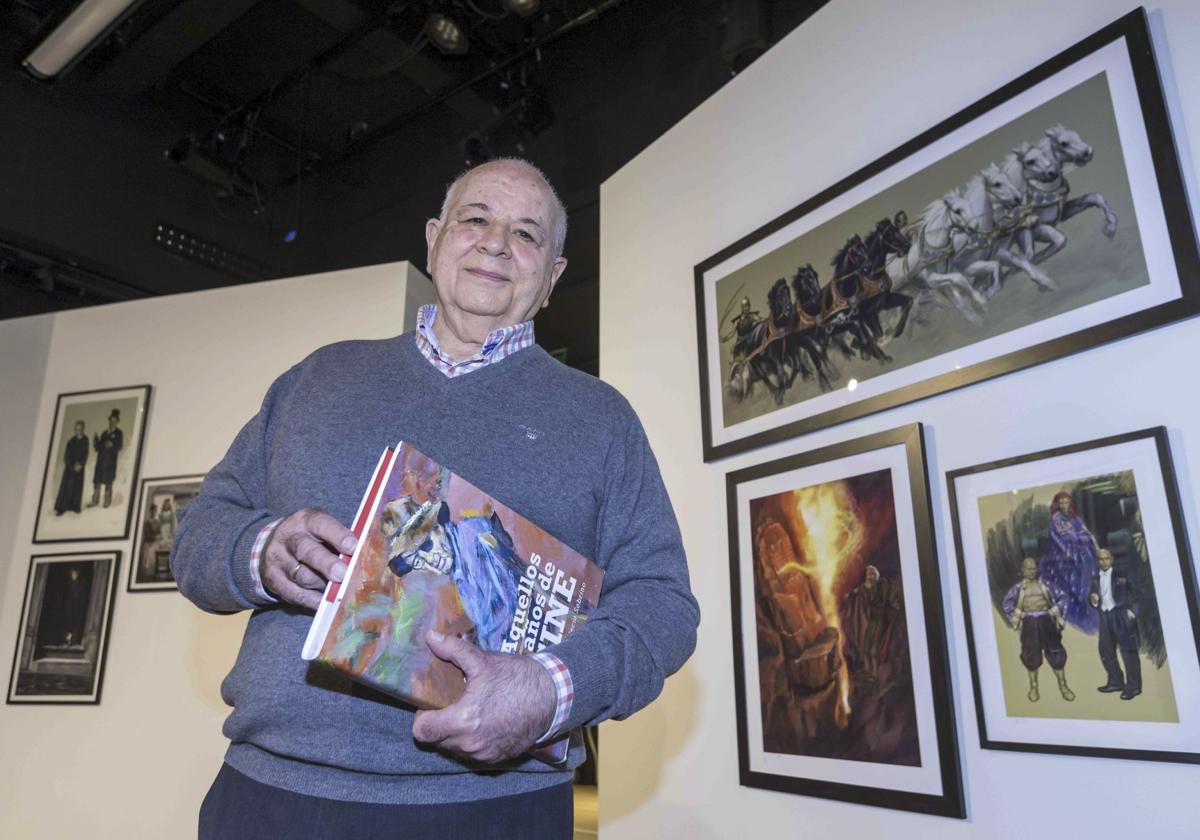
(1118, 630)
(1040, 634)
(239, 808)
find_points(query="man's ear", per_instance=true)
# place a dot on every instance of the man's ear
(560, 265)
(432, 227)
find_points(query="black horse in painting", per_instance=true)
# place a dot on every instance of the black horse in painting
(861, 291)
(807, 337)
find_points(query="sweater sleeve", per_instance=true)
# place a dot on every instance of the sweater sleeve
(644, 627)
(210, 556)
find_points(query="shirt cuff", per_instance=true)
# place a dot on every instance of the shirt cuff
(564, 689)
(260, 542)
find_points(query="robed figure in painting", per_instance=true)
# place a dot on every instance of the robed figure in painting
(872, 616)
(70, 489)
(1069, 562)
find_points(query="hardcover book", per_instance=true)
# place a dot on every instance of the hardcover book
(437, 553)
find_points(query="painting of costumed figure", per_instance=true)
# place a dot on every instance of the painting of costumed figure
(1080, 600)
(92, 465)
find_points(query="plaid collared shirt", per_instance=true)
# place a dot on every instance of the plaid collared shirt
(498, 345)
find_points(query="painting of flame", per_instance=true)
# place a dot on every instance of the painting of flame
(834, 663)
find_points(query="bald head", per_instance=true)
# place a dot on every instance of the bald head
(558, 229)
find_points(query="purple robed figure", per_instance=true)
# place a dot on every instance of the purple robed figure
(1070, 561)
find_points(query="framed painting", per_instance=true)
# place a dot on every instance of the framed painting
(92, 465)
(841, 678)
(63, 634)
(1080, 601)
(1045, 219)
(159, 505)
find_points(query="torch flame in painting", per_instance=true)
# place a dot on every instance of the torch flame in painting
(831, 533)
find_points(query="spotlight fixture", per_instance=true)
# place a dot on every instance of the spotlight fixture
(524, 8)
(446, 34)
(71, 40)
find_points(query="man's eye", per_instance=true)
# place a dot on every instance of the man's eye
(526, 235)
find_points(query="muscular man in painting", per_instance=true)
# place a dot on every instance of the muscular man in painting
(1034, 608)
(1116, 596)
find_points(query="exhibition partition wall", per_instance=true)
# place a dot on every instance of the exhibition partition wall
(139, 762)
(852, 84)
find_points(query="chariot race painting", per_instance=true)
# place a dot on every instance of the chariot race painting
(1080, 600)
(842, 685)
(1006, 239)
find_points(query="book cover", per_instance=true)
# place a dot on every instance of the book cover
(438, 553)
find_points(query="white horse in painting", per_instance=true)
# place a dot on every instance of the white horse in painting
(1047, 198)
(926, 264)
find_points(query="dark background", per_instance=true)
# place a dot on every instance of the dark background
(180, 151)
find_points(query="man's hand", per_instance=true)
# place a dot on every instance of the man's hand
(508, 704)
(1094, 599)
(302, 556)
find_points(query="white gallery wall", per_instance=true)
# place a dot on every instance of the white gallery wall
(139, 763)
(852, 83)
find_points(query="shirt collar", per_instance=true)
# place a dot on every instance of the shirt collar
(498, 344)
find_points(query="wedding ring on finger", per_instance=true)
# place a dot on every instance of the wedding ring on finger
(292, 573)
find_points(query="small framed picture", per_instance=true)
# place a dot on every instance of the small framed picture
(63, 634)
(1080, 601)
(842, 684)
(159, 505)
(92, 465)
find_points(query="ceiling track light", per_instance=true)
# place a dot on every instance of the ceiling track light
(78, 33)
(446, 34)
(524, 8)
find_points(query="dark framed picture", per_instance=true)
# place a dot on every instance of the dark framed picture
(839, 648)
(92, 466)
(159, 505)
(1080, 601)
(1047, 218)
(63, 635)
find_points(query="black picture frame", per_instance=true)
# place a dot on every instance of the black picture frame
(771, 426)
(939, 703)
(59, 656)
(73, 526)
(148, 564)
(1182, 595)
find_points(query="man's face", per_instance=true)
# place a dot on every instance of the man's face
(112, 422)
(1064, 504)
(434, 555)
(872, 577)
(1029, 568)
(78, 428)
(1105, 559)
(492, 258)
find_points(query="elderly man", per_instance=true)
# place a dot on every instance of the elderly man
(313, 756)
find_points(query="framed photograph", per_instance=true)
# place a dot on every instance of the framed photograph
(1080, 601)
(1047, 218)
(63, 634)
(159, 505)
(92, 466)
(839, 649)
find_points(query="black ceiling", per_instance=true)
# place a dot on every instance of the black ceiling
(288, 137)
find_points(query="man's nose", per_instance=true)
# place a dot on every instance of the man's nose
(494, 240)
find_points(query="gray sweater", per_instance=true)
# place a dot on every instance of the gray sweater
(561, 448)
